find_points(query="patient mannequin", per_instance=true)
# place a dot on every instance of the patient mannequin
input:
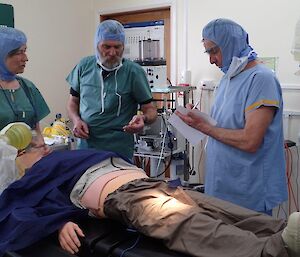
(13, 162)
(26, 159)
(187, 221)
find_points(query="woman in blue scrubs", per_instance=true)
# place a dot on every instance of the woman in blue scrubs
(245, 161)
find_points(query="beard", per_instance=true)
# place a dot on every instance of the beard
(110, 62)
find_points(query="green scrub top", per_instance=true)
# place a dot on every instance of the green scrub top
(123, 90)
(25, 104)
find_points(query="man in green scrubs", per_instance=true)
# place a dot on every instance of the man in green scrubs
(106, 91)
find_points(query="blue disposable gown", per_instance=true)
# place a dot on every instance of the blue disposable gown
(254, 180)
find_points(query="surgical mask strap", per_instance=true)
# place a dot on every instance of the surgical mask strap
(116, 89)
(116, 92)
(236, 67)
(102, 93)
(238, 64)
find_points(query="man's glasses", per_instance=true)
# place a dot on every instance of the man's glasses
(213, 50)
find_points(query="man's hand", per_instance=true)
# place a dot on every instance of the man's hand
(81, 129)
(68, 237)
(189, 106)
(195, 121)
(247, 139)
(135, 125)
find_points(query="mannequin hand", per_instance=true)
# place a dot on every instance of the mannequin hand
(68, 237)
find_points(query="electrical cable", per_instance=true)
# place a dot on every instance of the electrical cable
(166, 168)
(192, 168)
(171, 147)
(278, 211)
(288, 180)
(297, 176)
(292, 190)
(201, 147)
(161, 153)
(289, 173)
(131, 247)
(202, 151)
(292, 175)
(288, 176)
(162, 149)
(200, 105)
(169, 82)
(295, 199)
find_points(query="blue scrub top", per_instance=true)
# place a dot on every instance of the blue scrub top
(254, 180)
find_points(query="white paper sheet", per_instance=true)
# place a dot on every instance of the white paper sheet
(194, 136)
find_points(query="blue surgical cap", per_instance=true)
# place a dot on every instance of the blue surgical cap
(109, 30)
(10, 39)
(230, 37)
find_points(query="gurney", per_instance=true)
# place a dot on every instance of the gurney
(102, 238)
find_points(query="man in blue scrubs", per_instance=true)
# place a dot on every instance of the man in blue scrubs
(105, 92)
(245, 161)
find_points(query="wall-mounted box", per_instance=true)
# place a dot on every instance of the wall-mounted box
(7, 15)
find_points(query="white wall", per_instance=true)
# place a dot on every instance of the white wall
(270, 25)
(59, 33)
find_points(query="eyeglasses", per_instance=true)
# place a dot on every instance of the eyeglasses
(213, 50)
(16, 52)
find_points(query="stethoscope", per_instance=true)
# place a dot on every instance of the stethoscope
(23, 112)
(103, 94)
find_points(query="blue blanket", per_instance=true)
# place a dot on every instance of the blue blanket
(38, 204)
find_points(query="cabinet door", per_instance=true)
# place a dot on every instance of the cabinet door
(7, 15)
